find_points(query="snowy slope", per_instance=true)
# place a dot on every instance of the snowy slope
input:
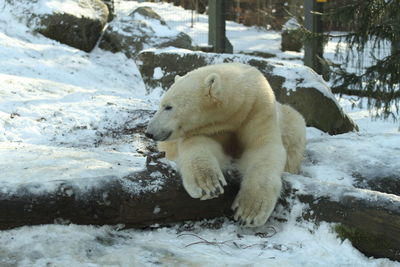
(56, 105)
(58, 109)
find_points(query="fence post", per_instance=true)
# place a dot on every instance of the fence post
(216, 27)
(313, 46)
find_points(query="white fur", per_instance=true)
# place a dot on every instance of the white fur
(229, 110)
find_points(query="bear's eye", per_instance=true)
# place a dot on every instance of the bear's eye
(168, 108)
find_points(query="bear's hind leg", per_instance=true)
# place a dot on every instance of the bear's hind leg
(200, 160)
(293, 128)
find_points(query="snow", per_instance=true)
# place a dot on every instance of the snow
(291, 24)
(297, 76)
(158, 73)
(372, 152)
(352, 161)
(78, 8)
(126, 23)
(27, 10)
(63, 116)
(186, 245)
(158, 27)
(153, 183)
(23, 163)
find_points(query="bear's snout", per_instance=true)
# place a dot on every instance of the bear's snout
(159, 136)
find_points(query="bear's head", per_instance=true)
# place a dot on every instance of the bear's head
(191, 103)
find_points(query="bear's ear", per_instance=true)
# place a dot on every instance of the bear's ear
(213, 86)
(177, 78)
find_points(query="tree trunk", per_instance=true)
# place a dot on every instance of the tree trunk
(371, 220)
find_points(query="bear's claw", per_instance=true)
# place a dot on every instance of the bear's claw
(203, 183)
(251, 210)
(211, 194)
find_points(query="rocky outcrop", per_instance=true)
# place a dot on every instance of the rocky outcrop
(111, 9)
(292, 36)
(79, 27)
(75, 23)
(293, 84)
(142, 29)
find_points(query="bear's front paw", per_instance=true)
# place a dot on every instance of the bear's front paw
(253, 206)
(203, 183)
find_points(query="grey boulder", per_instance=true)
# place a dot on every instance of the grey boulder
(141, 29)
(80, 28)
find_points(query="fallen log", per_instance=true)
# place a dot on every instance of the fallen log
(152, 196)
(371, 220)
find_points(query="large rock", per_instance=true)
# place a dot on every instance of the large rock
(78, 24)
(292, 36)
(142, 29)
(111, 9)
(293, 84)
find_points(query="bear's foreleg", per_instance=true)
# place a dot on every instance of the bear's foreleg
(170, 148)
(200, 160)
(261, 168)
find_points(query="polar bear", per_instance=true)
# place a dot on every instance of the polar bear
(228, 111)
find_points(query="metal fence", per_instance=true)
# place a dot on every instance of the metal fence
(271, 14)
(193, 20)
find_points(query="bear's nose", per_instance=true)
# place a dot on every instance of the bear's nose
(149, 135)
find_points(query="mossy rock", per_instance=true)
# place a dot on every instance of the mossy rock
(370, 244)
(292, 40)
(292, 36)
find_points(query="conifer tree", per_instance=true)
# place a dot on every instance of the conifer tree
(373, 22)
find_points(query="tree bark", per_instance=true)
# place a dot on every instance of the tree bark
(371, 220)
(111, 200)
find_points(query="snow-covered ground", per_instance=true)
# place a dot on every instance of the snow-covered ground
(58, 109)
